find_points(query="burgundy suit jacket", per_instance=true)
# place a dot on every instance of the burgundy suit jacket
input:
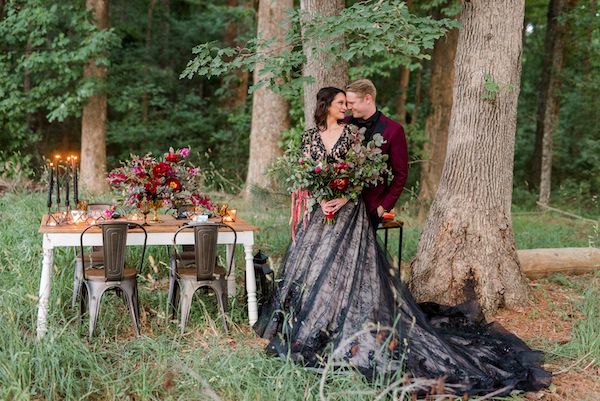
(387, 193)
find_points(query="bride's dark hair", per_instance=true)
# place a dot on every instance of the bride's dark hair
(325, 97)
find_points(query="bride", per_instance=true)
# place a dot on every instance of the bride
(338, 298)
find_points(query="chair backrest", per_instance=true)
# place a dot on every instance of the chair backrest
(205, 247)
(114, 241)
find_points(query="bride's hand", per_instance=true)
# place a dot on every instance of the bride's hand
(326, 207)
(337, 204)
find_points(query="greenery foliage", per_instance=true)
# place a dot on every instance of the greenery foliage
(44, 45)
(378, 36)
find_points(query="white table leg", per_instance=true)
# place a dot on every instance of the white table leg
(44, 294)
(251, 285)
(231, 290)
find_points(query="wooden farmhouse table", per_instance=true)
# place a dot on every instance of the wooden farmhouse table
(68, 235)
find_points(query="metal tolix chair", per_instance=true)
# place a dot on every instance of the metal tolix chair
(113, 273)
(188, 276)
(94, 258)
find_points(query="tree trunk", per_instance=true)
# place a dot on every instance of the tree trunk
(467, 242)
(403, 87)
(93, 120)
(415, 111)
(548, 98)
(438, 121)
(269, 110)
(589, 33)
(319, 66)
(538, 263)
(148, 60)
(238, 88)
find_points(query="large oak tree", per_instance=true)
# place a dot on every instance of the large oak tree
(93, 120)
(270, 111)
(320, 68)
(467, 241)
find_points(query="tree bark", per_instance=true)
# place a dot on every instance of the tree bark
(401, 102)
(438, 120)
(404, 78)
(238, 88)
(321, 67)
(93, 120)
(414, 118)
(148, 49)
(467, 247)
(270, 111)
(548, 98)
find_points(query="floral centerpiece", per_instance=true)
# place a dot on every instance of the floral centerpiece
(149, 183)
(313, 181)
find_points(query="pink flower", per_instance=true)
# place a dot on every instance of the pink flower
(318, 169)
(139, 171)
(172, 157)
(108, 213)
(116, 178)
(301, 162)
(193, 171)
(183, 152)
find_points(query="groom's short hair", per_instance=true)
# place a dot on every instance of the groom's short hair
(362, 87)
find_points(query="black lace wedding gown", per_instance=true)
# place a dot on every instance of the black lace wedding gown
(337, 297)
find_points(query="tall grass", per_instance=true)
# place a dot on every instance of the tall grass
(162, 364)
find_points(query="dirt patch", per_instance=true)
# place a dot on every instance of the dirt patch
(549, 321)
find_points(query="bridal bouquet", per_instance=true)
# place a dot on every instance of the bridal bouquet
(171, 181)
(315, 181)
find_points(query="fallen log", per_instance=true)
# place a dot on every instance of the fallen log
(537, 263)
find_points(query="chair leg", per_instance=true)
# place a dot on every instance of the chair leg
(220, 294)
(77, 280)
(174, 299)
(187, 294)
(171, 279)
(83, 301)
(94, 298)
(129, 292)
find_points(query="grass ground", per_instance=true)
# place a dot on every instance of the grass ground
(164, 365)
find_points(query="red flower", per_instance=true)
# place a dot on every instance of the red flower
(174, 184)
(162, 169)
(151, 186)
(339, 184)
(172, 157)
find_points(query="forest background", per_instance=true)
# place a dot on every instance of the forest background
(46, 44)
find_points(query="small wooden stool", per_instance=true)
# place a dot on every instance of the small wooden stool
(391, 224)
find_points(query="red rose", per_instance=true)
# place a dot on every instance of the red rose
(174, 184)
(150, 187)
(342, 166)
(339, 183)
(162, 169)
(172, 157)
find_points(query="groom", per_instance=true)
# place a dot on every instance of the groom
(360, 98)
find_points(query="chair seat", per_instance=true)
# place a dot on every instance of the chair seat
(189, 272)
(98, 274)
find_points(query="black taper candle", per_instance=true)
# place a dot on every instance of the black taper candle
(75, 189)
(67, 202)
(57, 181)
(50, 185)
